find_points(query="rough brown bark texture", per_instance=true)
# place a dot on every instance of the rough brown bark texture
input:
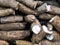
(11, 19)
(11, 26)
(29, 22)
(13, 35)
(22, 42)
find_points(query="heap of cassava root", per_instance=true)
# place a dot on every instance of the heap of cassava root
(29, 22)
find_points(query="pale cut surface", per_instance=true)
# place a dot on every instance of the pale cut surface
(46, 30)
(36, 29)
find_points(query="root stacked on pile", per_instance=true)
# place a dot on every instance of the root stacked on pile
(29, 22)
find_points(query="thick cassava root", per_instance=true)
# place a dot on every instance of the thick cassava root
(30, 3)
(5, 12)
(11, 26)
(48, 8)
(14, 35)
(11, 19)
(55, 21)
(45, 16)
(36, 26)
(26, 10)
(22, 42)
(9, 3)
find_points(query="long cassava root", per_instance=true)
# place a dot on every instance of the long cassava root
(31, 3)
(26, 10)
(22, 42)
(9, 3)
(13, 35)
(10, 26)
(5, 12)
(46, 42)
(11, 19)
(55, 21)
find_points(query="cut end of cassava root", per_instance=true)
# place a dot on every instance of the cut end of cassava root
(46, 30)
(36, 29)
(50, 37)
